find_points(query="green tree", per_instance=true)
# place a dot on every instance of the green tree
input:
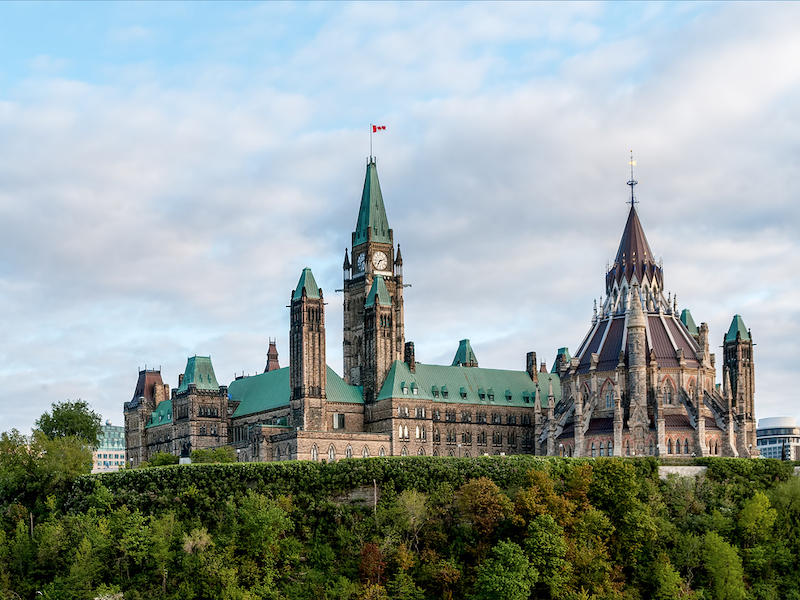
(546, 549)
(482, 503)
(757, 519)
(412, 513)
(505, 574)
(223, 454)
(33, 467)
(72, 419)
(161, 459)
(723, 568)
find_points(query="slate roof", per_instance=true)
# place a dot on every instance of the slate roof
(468, 385)
(737, 326)
(270, 390)
(604, 425)
(372, 213)
(146, 383)
(664, 334)
(633, 256)
(200, 372)
(308, 282)
(680, 421)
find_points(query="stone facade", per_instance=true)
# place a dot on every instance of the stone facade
(643, 381)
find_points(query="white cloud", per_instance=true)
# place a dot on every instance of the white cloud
(168, 210)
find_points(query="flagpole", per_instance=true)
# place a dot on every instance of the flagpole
(370, 142)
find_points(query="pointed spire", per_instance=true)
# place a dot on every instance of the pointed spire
(308, 284)
(398, 260)
(346, 265)
(465, 357)
(635, 312)
(737, 327)
(378, 293)
(372, 222)
(272, 357)
(688, 321)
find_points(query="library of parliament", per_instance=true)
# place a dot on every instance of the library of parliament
(641, 383)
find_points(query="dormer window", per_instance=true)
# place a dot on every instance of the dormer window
(463, 393)
(481, 393)
(435, 391)
(526, 397)
(490, 393)
(445, 393)
(404, 387)
(414, 389)
(508, 395)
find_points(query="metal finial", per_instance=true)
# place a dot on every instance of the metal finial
(632, 182)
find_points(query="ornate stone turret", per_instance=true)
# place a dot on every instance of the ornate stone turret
(739, 370)
(638, 421)
(372, 255)
(307, 367)
(379, 351)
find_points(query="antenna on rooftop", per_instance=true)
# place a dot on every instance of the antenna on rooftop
(632, 182)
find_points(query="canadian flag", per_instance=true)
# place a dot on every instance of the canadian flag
(376, 128)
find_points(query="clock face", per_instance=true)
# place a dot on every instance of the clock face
(380, 261)
(361, 262)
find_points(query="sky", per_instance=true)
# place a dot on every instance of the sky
(168, 169)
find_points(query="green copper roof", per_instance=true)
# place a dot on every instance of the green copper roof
(737, 326)
(496, 386)
(270, 390)
(378, 292)
(567, 357)
(161, 415)
(200, 372)
(686, 319)
(372, 213)
(306, 281)
(464, 355)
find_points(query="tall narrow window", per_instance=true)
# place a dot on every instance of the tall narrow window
(331, 454)
(314, 452)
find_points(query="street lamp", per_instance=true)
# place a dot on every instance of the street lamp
(561, 449)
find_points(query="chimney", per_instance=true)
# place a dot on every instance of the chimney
(409, 357)
(543, 368)
(530, 361)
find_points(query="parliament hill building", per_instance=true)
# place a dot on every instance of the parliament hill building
(642, 382)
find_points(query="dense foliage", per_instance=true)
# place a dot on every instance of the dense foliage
(512, 528)
(72, 419)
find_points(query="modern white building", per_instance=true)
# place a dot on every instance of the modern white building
(779, 437)
(110, 454)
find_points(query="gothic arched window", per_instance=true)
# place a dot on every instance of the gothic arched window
(610, 449)
(314, 452)
(669, 446)
(382, 452)
(349, 452)
(421, 452)
(602, 449)
(365, 452)
(331, 453)
(686, 446)
(594, 451)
